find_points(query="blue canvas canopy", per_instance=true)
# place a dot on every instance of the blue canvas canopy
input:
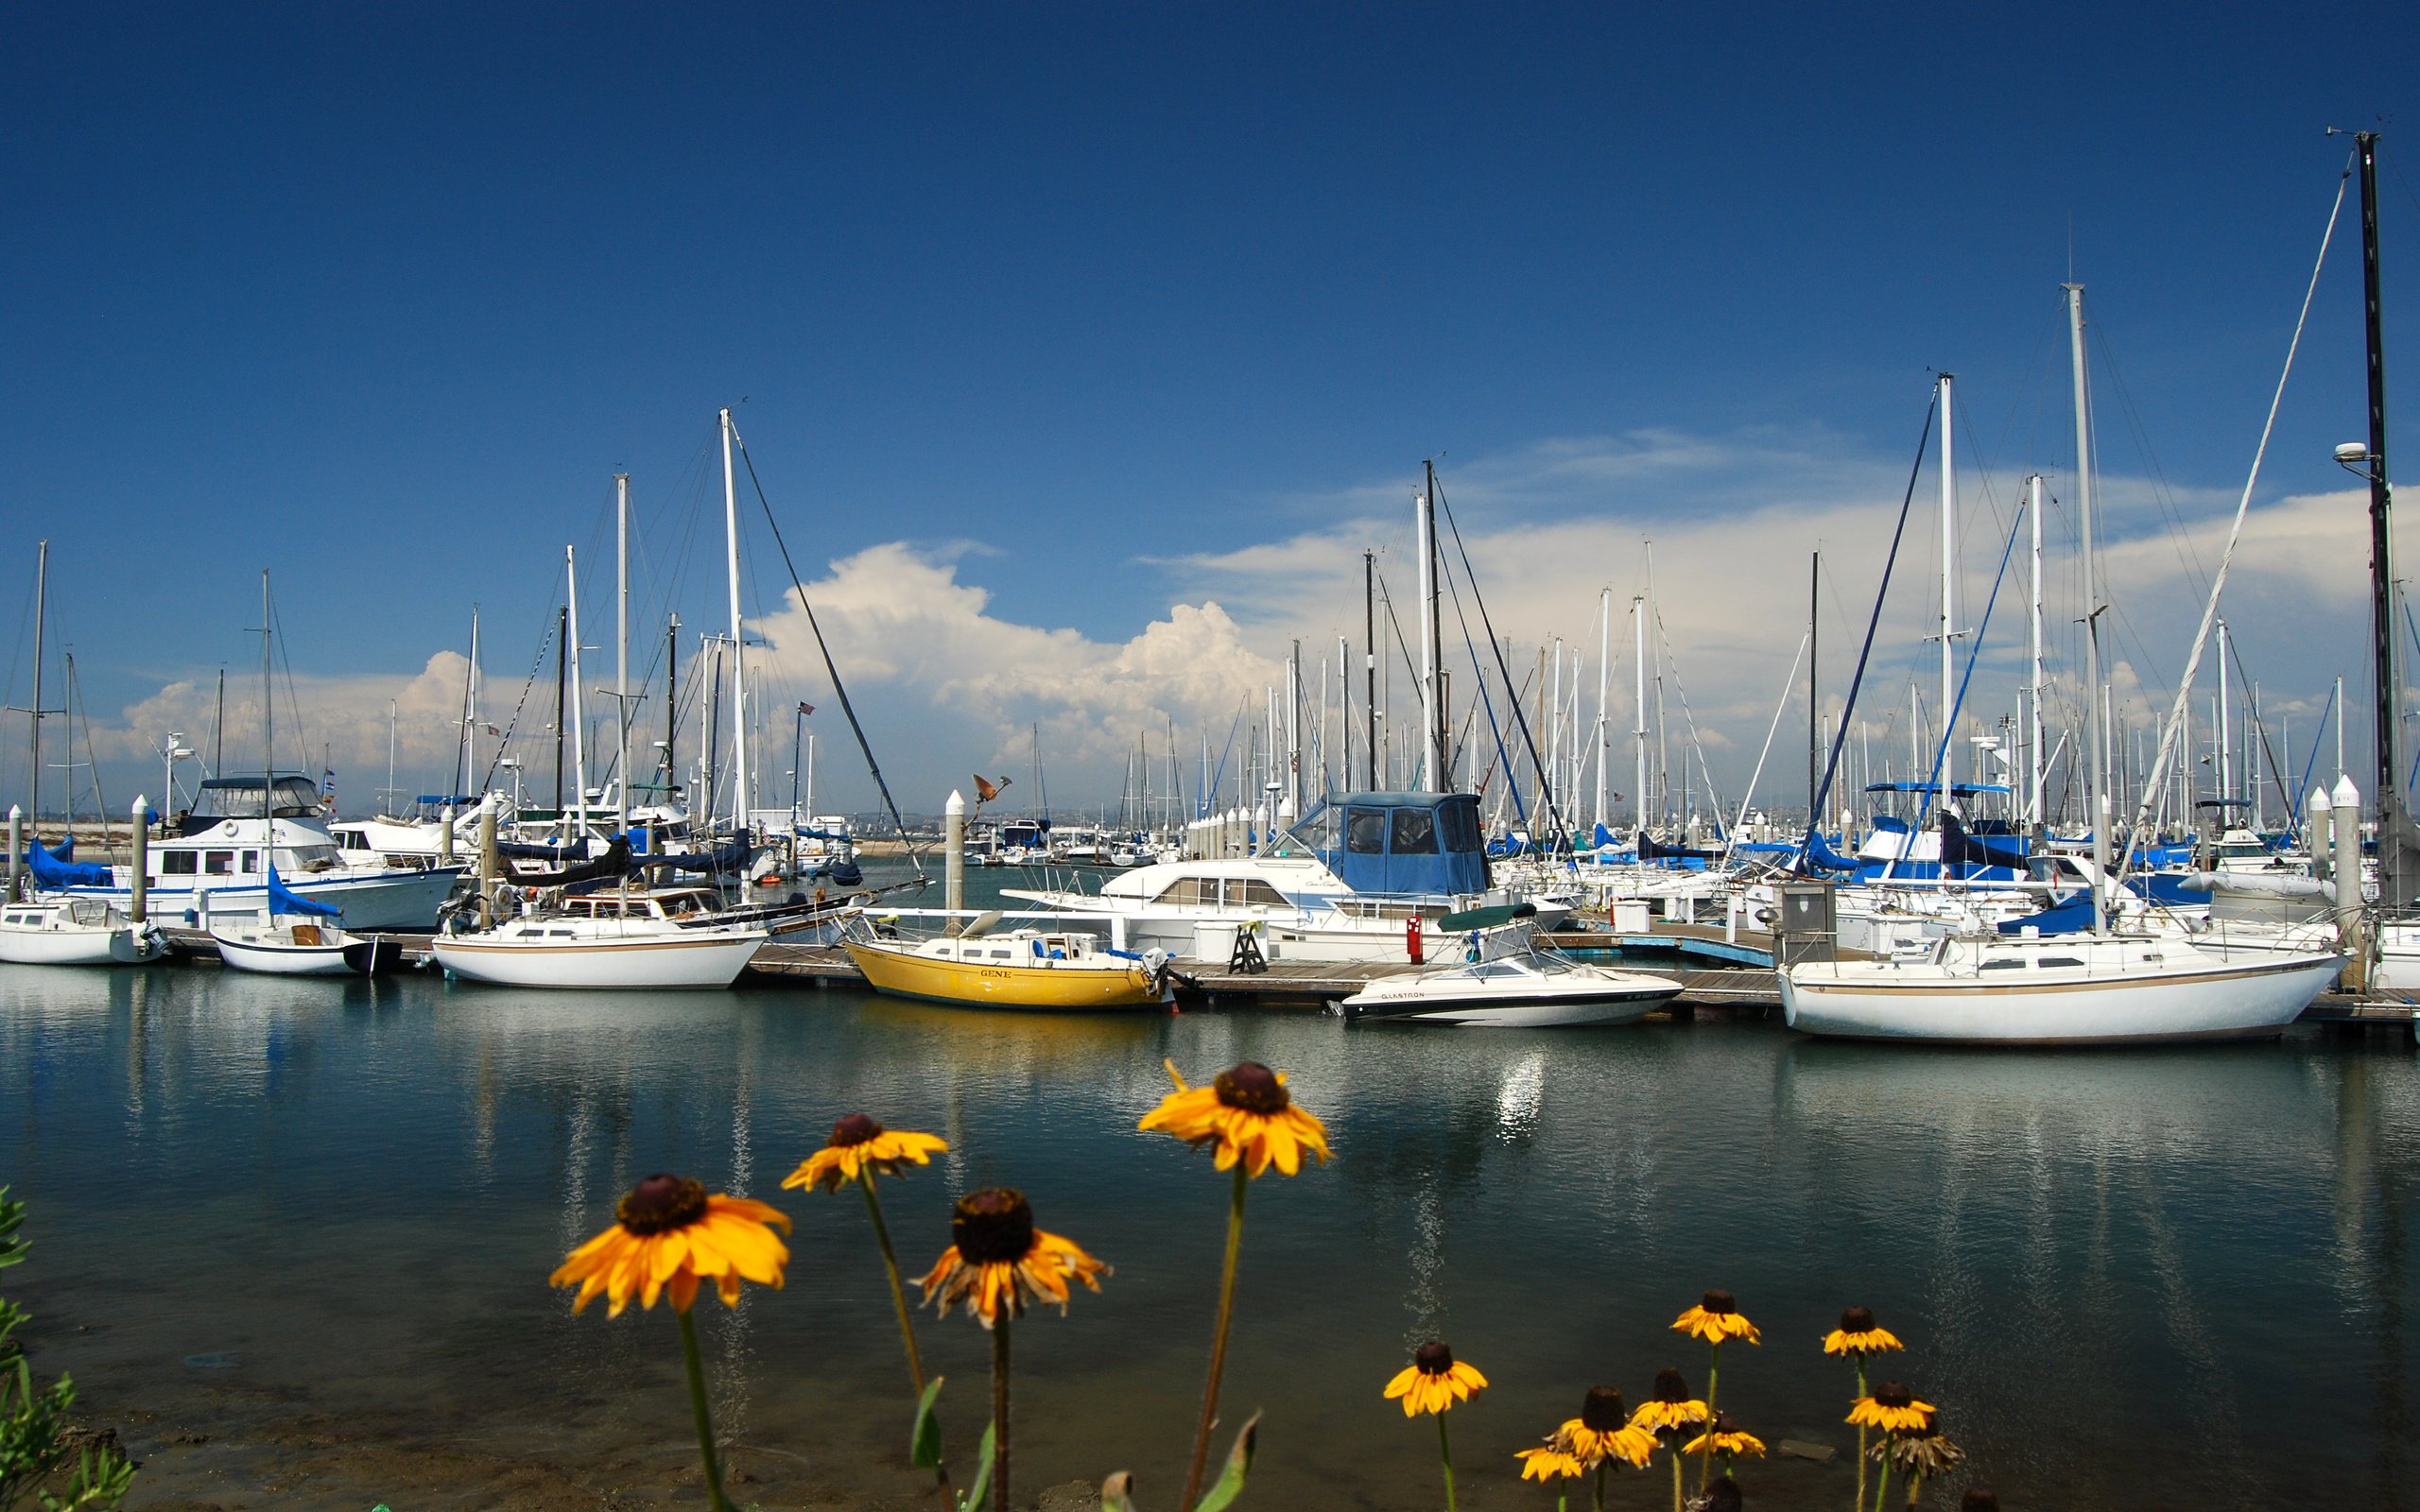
(1426, 843)
(52, 869)
(283, 900)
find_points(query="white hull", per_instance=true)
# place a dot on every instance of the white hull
(674, 958)
(271, 959)
(1513, 993)
(2169, 991)
(125, 946)
(385, 901)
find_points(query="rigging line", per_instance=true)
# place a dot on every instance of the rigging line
(2169, 733)
(1688, 716)
(839, 690)
(2319, 735)
(2163, 492)
(1788, 691)
(1974, 654)
(1478, 674)
(1520, 719)
(2260, 721)
(1402, 648)
(503, 739)
(1841, 736)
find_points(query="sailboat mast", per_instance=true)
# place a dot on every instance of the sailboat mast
(1369, 663)
(578, 721)
(672, 703)
(268, 746)
(738, 655)
(1638, 731)
(1814, 733)
(1604, 679)
(1432, 767)
(33, 761)
(2033, 735)
(622, 649)
(2096, 786)
(562, 684)
(2394, 886)
(1948, 599)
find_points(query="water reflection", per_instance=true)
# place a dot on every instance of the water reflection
(366, 1183)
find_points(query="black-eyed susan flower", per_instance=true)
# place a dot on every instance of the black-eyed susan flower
(858, 1145)
(999, 1260)
(1245, 1114)
(670, 1235)
(1922, 1455)
(1604, 1432)
(1724, 1438)
(1894, 1409)
(1669, 1406)
(1858, 1335)
(1715, 1318)
(1549, 1463)
(1434, 1381)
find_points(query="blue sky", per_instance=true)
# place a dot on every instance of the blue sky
(380, 299)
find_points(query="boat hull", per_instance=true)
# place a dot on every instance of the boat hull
(395, 900)
(2227, 1002)
(1528, 1002)
(285, 960)
(124, 946)
(686, 958)
(1056, 988)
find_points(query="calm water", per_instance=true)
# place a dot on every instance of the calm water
(313, 1222)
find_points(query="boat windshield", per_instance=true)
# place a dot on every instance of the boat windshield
(239, 797)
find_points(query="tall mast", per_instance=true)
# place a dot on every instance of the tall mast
(622, 648)
(1604, 671)
(738, 656)
(268, 746)
(1814, 737)
(1948, 600)
(2034, 734)
(1294, 731)
(2096, 785)
(2395, 883)
(1638, 731)
(1369, 662)
(672, 703)
(562, 661)
(1432, 764)
(578, 721)
(2226, 731)
(33, 763)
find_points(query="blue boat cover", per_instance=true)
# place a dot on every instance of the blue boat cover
(283, 900)
(1420, 843)
(51, 869)
(1822, 856)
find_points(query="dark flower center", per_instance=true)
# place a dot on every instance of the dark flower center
(661, 1203)
(1856, 1320)
(1720, 1301)
(1980, 1500)
(1723, 1424)
(1892, 1394)
(855, 1130)
(1432, 1358)
(1670, 1386)
(1602, 1412)
(992, 1225)
(1253, 1087)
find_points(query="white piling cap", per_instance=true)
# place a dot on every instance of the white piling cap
(16, 811)
(142, 806)
(957, 804)
(2348, 795)
(2318, 803)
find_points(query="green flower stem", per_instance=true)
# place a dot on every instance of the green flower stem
(698, 1409)
(1858, 1505)
(1600, 1486)
(1218, 1339)
(1000, 1414)
(1915, 1488)
(899, 1305)
(1881, 1489)
(1446, 1455)
(1705, 1459)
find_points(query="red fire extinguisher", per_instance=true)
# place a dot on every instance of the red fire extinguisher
(1412, 940)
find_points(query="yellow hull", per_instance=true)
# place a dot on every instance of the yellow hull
(1002, 984)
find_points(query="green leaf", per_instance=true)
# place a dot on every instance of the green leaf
(925, 1439)
(981, 1491)
(1117, 1493)
(1230, 1484)
(12, 1217)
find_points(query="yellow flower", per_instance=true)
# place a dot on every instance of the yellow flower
(1860, 1334)
(1001, 1260)
(1725, 1438)
(1247, 1113)
(1603, 1430)
(1669, 1407)
(670, 1235)
(1893, 1408)
(1434, 1381)
(1717, 1318)
(1547, 1463)
(858, 1143)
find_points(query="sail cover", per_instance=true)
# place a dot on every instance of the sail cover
(283, 899)
(52, 869)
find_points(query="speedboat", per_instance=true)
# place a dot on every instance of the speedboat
(1508, 980)
(2031, 988)
(76, 932)
(1012, 969)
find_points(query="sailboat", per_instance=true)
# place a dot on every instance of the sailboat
(290, 939)
(2028, 988)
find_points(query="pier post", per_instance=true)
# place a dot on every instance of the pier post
(2319, 834)
(138, 908)
(2348, 884)
(953, 857)
(16, 848)
(487, 866)
(446, 835)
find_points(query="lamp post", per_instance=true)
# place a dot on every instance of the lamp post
(173, 752)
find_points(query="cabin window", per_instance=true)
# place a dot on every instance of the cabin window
(218, 862)
(2060, 960)
(1190, 891)
(1458, 817)
(1415, 832)
(178, 863)
(252, 863)
(1365, 832)
(2002, 966)
(1002, 955)
(1243, 892)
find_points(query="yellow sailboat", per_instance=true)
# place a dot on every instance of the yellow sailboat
(1014, 968)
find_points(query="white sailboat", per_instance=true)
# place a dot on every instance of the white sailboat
(76, 932)
(2029, 990)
